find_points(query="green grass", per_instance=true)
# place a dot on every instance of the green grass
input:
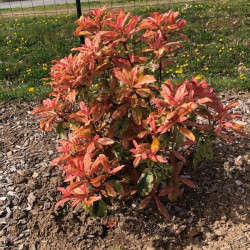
(72, 6)
(218, 34)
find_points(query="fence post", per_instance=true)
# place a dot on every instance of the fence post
(79, 13)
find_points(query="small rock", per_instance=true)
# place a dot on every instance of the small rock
(219, 232)
(238, 161)
(51, 152)
(180, 229)
(226, 248)
(35, 174)
(238, 182)
(46, 205)
(31, 198)
(20, 179)
(12, 169)
(18, 214)
(9, 154)
(20, 247)
(32, 247)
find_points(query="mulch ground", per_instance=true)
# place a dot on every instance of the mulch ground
(213, 216)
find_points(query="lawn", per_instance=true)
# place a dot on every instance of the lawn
(218, 50)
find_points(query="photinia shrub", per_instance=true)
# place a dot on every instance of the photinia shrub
(124, 127)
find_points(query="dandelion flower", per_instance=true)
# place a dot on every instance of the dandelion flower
(198, 77)
(179, 71)
(31, 89)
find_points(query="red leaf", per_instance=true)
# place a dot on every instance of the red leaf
(120, 112)
(145, 202)
(187, 182)
(72, 95)
(91, 200)
(143, 134)
(117, 169)
(110, 190)
(186, 132)
(180, 93)
(137, 161)
(64, 191)
(184, 37)
(61, 202)
(166, 191)
(179, 156)
(204, 100)
(161, 159)
(145, 79)
(105, 141)
(162, 209)
(110, 223)
(96, 182)
(122, 76)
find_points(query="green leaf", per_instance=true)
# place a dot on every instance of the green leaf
(204, 151)
(112, 178)
(107, 200)
(61, 131)
(121, 153)
(121, 126)
(207, 150)
(99, 208)
(145, 183)
(118, 188)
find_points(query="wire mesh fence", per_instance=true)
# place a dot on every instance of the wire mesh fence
(32, 33)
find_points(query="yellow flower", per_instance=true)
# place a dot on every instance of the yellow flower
(206, 68)
(197, 59)
(220, 51)
(7, 69)
(198, 77)
(221, 40)
(202, 57)
(242, 77)
(230, 49)
(196, 50)
(179, 71)
(31, 89)
(17, 49)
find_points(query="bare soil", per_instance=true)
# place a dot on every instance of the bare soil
(213, 216)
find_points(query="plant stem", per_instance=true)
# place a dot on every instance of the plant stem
(160, 68)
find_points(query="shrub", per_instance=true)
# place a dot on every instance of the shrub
(124, 128)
